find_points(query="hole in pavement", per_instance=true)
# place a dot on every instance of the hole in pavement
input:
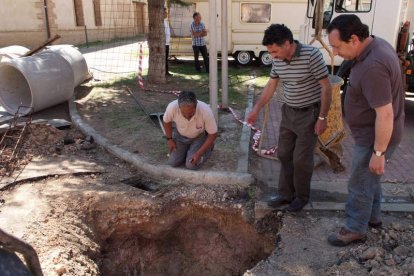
(186, 239)
(142, 183)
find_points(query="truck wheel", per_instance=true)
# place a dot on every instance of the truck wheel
(244, 57)
(266, 58)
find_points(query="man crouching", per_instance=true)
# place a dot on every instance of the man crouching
(192, 140)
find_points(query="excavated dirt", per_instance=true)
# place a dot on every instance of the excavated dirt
(96, 225)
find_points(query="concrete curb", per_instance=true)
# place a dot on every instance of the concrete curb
(195, 177)
(261, 208)
(243, 162)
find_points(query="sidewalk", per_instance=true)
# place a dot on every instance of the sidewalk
(329, 189)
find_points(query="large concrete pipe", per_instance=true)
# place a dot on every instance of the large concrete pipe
(75, 59)
(35, 82)
(12, 52)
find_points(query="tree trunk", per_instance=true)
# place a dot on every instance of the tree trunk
(156, 42)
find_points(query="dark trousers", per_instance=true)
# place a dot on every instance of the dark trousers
(167, 52)
(203, 50)
(297, 140)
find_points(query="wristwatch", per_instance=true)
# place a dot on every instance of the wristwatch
(379, 153)
(168, 138)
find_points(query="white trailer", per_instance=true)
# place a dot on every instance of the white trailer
(247, 22)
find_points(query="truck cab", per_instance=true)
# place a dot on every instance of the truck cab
(384, 18)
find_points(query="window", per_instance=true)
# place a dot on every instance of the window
(326, 15)
(80, 20)
(255, 13)
(97, 12)
(353, 6)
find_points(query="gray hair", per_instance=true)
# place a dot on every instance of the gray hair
(187, 98)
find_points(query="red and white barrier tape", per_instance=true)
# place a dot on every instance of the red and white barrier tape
(256, 136)
(257, 132)
(140, 81)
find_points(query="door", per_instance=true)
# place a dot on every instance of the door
(140, 19)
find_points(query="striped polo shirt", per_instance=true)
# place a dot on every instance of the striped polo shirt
(197, 41)
(300, 76)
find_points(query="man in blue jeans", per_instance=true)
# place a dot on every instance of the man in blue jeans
(198, 32)
(374, 111)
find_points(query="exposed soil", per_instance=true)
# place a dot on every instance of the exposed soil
(95, 225)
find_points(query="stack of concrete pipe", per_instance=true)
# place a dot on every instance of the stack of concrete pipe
(31, 83)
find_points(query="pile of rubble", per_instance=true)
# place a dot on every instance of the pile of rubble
(388, 251)
(43, 140)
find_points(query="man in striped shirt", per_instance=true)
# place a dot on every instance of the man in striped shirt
(198, 32)
(307, 98)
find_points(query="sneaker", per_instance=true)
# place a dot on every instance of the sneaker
(277, 201)
(345, 237)
(296, 205)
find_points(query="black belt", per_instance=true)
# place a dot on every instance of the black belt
(305, 108)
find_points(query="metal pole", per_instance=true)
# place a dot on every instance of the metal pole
(86, 37)
(224, 55)
(46, 18)
(213, 57)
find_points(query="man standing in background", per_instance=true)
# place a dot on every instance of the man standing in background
(198, 32)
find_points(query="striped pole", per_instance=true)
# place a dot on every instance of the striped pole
(140, 81)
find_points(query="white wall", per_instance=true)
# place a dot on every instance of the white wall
(19, 15)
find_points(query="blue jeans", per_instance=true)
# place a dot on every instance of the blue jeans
(364, 191)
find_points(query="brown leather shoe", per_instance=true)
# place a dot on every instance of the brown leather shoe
(345, 237)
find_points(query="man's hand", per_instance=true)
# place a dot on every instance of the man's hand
(171, 145)
(321, 126)
(252, 117)
(377, 164)
(195, 159)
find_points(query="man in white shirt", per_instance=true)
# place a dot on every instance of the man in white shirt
(167, 41)
(192, 140)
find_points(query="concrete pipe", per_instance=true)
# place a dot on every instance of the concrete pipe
(35, 82)
(12, 52)
(75, 59)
